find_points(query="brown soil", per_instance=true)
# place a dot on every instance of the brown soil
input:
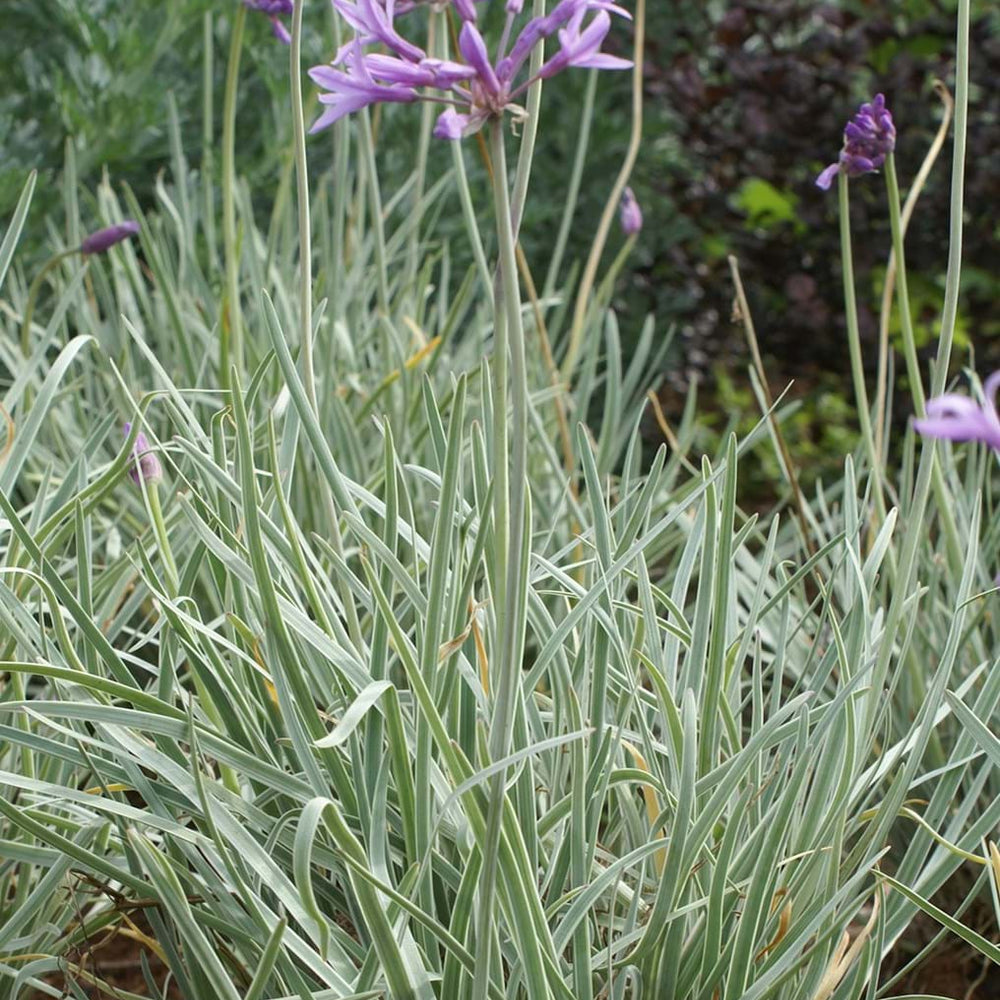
(954, 970)
(114, 959)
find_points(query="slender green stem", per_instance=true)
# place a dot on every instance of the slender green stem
(231, 339)
(162, 539)
(949, 314)
(340, 136)
(368, 153)
(913, 365)
(915, 514)
(573, 189)
(33, 292)
(305, 223)
(889, 286)
(606, 287)
(465, 199)
(469, 216)
(611, 206)
(853, 331)
(526, 153)
(423, 147)
(305, 295)
(208, 138)
(509, 531)
(906, 319)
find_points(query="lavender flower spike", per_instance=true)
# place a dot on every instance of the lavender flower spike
(105, 239)
(630, 213)
(869, 137)
(146, 465)
(959, 418)
(275, 10)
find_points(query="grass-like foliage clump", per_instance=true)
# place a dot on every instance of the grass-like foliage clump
(402, 665)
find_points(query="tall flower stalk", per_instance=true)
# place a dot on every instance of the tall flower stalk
(302, 192)
(511, 519)
(876, 833)
(477, 92)
(853, 329)
(231, 335)
(589, 275)
(913, 374)
(905, 316)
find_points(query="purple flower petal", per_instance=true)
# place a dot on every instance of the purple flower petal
(580, 46)
(450, 125)
(354, 88)
(370, 19)
(280, 31)
(441, 73)
(825, 179)
(473, 49)
(275, 9)
(958, 418)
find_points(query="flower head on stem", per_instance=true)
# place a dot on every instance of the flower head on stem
(476, 88)
(869, 137)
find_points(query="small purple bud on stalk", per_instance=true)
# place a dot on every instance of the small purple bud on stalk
(105, 239)
(147, 465)
(957, 418)
(630, 213)
(869, 137)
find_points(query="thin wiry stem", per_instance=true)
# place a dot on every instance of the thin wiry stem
(890, 274)
(231, 338)
(526, 154)
(611, 207)
(305, 223)
(573, 188)
(368, 153)
(36, 287)
(509, 530)
(854, 337)
(912, 364)
(905, 316)
(950, 312)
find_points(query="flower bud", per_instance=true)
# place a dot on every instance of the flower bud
(105, 239)
(630, 213)
(147, 465)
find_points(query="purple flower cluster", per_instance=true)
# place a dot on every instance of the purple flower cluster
(275, 10)
(958, 418)
(475, 89)
(869, 138)
(147, 465)
(105, 239)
